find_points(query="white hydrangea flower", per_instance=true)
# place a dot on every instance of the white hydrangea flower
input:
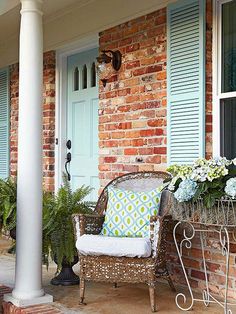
(200, 162)
(202, 170)
(219, 161)
(186, 190)
(230, 188)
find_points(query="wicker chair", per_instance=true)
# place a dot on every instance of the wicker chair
(125, 269)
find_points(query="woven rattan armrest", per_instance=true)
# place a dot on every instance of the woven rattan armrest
(87, 223)
(159, 227)
(153, 220)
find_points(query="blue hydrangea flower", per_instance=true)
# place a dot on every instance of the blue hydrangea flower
(230, 188)
(186, 190)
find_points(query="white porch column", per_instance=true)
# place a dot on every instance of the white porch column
(28, 278)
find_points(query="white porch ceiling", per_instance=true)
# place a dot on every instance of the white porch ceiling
(10, 13)
(67, 21)
(6, 5)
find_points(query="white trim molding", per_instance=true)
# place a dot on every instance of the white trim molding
(216, 75)
(84, 44)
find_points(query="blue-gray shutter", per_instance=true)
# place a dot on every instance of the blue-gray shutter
(4, 123)
(185, 81)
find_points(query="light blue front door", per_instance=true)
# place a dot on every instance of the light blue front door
(82, 120)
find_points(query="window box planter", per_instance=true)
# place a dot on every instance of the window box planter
(223, 212)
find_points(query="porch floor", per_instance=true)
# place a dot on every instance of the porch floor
(101, 298)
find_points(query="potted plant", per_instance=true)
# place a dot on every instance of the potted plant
(8, 205)
(205, 191)
(58, 235)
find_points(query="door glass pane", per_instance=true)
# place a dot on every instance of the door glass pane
(229, 47)
(76, 79)
(84, 74)
(228, 128)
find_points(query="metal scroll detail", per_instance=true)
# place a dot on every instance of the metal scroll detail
(188, 244)
(224, 241)
(205, 293)
(189, 232)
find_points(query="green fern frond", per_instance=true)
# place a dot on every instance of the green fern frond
(58, 228)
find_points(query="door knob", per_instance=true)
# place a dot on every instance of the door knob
(68, 144)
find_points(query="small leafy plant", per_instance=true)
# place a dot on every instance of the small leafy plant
(8, 189)
(58, 235)
(207, 179)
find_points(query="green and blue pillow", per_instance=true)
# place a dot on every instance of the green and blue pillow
(128, 213)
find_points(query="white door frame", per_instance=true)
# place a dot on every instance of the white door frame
(61, 100)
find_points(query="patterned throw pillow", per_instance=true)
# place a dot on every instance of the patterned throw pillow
(128, 213)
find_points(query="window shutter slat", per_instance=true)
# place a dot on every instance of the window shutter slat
(186, 81)
(4, 123)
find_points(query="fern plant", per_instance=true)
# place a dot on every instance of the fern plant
(8, 192)
(58, 235)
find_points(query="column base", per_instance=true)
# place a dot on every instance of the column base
(47, 298)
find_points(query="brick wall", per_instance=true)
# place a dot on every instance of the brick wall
(49, 66)
(48, 118)
(132, 115)
(14, 96)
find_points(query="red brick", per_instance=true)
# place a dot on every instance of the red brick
(145, 150)
(161, 75)
(154, 159)
(133, 98)
(131, 65)
(198, 274)
(110, 159)
(125, 125)
(124, 92)
(147, 132)
(208, 118)
(130, 151)
(132, 134)
(160, 150)
(132, 48)
(159, 131)
(160, 19)
(125, 42)
(130, 168)
(153, 123)
(138, 142)
(117, 134)
(124, 108)
(154, 68)
(209, 128)
(139, 71)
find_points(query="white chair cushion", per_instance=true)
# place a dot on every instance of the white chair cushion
(96, 245)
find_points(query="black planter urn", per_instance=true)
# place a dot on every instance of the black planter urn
(66, 277)
(13, 233)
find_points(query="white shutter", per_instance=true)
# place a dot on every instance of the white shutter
(186, 81)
